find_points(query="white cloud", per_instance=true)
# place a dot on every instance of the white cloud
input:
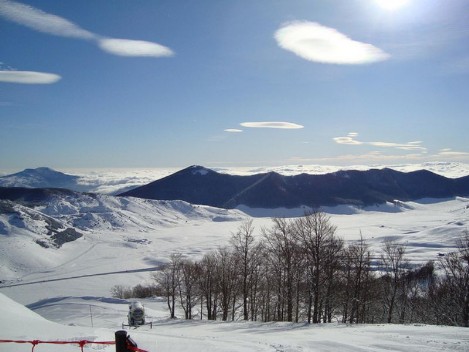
(233, 130)
(41, 21)
(350, 140)
(126, 47)
(314, 42)
(347, 140)
(405, 146)
(370, 158)
(448, 152)
(272, 124)
(44, 22)
(416, 153)
(28, 77)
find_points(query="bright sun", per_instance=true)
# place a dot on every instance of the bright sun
(392, 5)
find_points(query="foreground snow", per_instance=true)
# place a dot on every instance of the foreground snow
(178, 335)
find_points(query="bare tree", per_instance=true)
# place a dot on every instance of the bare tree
(227, 280)
(120, 291)
(456, 282)
(394, 265)
(187, 286)
(315, 234)
(283, 255)
(208, 284)
(356, 271)
(415, 295)
(244, 246)
(168, 279)
(332, 266)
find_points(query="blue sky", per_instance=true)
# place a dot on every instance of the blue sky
(223, 83)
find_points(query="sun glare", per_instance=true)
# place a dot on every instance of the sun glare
(392, 5)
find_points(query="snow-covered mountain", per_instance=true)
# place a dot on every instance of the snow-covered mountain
(42, 177)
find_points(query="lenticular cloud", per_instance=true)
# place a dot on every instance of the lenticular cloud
(48, 23)
(41, 21)
(272, 124)
(28, 77)
(126, 47)
(318, 43)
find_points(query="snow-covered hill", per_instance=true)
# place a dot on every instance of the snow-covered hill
(43, 233)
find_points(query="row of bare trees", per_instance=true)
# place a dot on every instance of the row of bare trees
(299, 270)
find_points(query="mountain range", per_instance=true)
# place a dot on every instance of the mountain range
(199, 185)
(267, 190)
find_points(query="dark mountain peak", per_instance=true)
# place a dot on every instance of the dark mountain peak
(274, 174)
(200, 170)
(194, 170)
(426, 173)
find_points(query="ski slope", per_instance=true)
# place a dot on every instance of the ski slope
(69, 319)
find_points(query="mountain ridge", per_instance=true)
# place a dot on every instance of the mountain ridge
(199, 185)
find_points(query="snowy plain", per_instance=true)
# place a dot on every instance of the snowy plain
(65, 293)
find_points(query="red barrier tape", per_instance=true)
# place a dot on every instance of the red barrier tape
(80, 343)
(135, 349)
